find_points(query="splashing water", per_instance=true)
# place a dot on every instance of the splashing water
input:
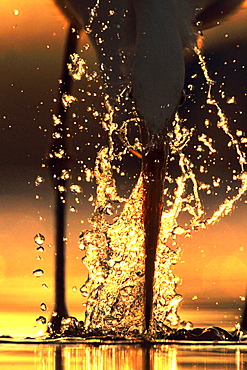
(114, 250)
(115, 246)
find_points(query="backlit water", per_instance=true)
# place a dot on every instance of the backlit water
(208, 290)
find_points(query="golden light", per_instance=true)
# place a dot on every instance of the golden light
(244, 5)
(227, 274)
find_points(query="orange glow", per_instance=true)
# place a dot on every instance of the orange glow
(126, 357)
(228, 273)
(24, 28)
(235, 27)
(21, 292)
(200, 42)
(244, 5)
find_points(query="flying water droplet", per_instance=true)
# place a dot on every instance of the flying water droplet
(67, 100)
(77, 68)
(82, 246)
(56, 135)
(38, 272)
(84, 291)
(43, 307)
(39, 180)
(44, 286)
(41, 320)
(65, 175)
(231, 100)
(76, 188)
(89, 175)
(40, 249)
(39, 239)
(61, 189)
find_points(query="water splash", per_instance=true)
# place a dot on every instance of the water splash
(114, 247)
(114, 258)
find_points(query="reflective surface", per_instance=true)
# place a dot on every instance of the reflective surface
(115, 357)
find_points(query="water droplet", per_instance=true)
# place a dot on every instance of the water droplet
(74, 289)
(76, 188)
(41, 320)
(72, 209)
(43, 307)
(39, 239)
(40, 249)
(56, 135)
(89, 174)
(61, 189)
(38, 272)
(84, 291)
(77, 68)
(239, 133)
(82, 246)
(67, 100)
(187, 325)
(60, 153)
(231, 100)
(65, 175)
(39, 180)
(44, 286)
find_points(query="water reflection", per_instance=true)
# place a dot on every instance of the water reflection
(91, 357)
(121, 356)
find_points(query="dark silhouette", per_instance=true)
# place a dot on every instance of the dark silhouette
(154, 167)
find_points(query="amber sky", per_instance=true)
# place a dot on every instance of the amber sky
(214, 262)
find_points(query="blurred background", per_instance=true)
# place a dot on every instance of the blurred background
(213, 266)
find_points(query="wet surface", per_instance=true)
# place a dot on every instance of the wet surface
(134, 356)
